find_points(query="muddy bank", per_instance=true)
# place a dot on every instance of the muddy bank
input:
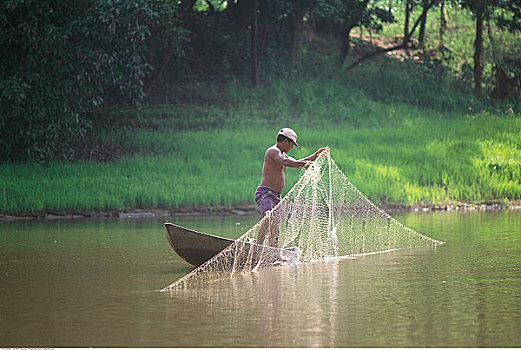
(136, 213)
(245, 210)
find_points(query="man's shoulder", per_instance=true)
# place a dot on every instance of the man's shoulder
(274, 155)
(273, 150)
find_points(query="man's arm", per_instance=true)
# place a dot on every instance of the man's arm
(285, 160)
(314, 156)
(293, 163)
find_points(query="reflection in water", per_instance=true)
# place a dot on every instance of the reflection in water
(266, 302)
(95, 283)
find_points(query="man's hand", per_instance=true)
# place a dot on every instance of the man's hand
(318, 152)
(315, 155)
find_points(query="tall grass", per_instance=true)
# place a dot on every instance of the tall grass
(422, 160)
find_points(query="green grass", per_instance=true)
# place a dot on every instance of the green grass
(421, 160)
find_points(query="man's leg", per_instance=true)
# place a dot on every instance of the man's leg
(263, 228)
(273, 222)
(270, 222)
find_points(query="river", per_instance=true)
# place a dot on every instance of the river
(96, 282)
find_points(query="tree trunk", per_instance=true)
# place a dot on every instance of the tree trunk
(421, 36)
(346, 43)
(408, 5)
(443, 24)
(254, 32)
(478, 54)
(295, 31)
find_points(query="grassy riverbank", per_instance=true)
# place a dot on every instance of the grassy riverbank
(402, 133)
(430, 161)
(417, 156)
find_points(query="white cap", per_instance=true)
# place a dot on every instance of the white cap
(290, 134)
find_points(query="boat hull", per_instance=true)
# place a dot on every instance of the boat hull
(196, 247)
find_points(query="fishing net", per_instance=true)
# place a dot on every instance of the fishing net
(322, 217)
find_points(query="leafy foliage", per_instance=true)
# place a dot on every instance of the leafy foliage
(61, 60)
(352, 13)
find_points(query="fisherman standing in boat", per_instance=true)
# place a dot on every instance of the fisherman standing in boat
(272, 182)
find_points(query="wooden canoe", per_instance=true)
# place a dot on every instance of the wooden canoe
(196, 247)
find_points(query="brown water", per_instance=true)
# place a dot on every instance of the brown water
(95, 282)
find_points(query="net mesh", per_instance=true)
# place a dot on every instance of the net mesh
(322, 217)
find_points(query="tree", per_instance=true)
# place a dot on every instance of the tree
(423, 24)
(478, 52)
(349, 14)
(505, 13)
(409, 6)
(408, 9)
(299, 8)
(396, 47)
(263, 20)
(443, 25)
(507, 63)
(479, 9)
(509, 15)
(266, 15)
(61, 60)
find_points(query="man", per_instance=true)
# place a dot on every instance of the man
(272, 182)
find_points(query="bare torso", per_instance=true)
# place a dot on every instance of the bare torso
(273, 170)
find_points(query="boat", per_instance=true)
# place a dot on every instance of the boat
(197, 247)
